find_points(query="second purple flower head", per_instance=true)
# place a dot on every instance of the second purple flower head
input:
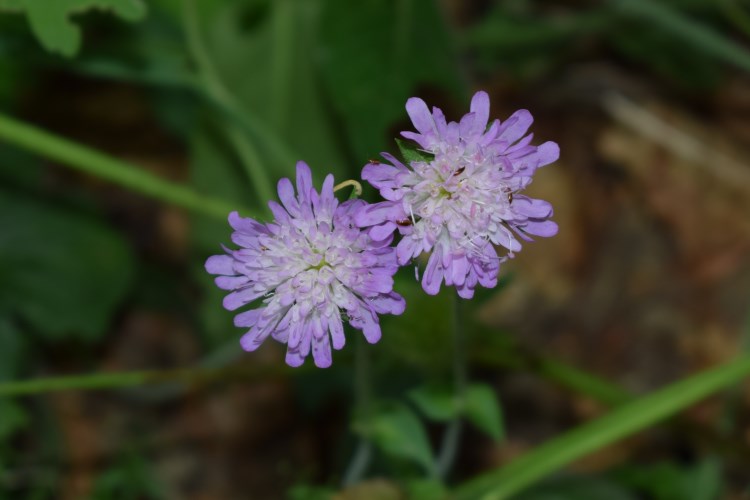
(464, 198)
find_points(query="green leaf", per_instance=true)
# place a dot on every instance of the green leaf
(283, 89)
(436, 402)
(426, 321)
(576, 488)
(12, 418)
(62, 272)
(129, 477)
(426, 489)
(704, 481)
(482, 408)
(698, 35)
(669, 481)
(308, 492)
(622, 422)
(376, 53)
(51, 20)
(410, 153)
(398, 431)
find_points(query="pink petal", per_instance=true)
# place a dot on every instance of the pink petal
(420, 115)
(220, 264)
(480, 106)
(286, 195)
(516, 126)
(433, 275)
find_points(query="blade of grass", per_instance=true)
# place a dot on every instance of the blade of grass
(696, 34)
(622, 422)
(106, 167)
(518, 357)
(119, 380)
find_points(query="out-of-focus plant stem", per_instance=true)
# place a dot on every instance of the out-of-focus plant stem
(363, 400)
(520, 358)
(106, 167)
(625, 420)
(98, 381)
(282, 67)
(697, 34)
(217, 91)
(736, 14)
(452, 435)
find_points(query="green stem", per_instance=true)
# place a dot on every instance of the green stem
(106, 167)
(363, 396)
(620, 423)
(218, 92)
(356, 188)
(681, 26)
(452, 434)
(130, 379)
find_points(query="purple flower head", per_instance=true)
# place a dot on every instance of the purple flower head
(462, 199)
(305, 268)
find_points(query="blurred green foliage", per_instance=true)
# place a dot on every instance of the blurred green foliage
(51, 23)
(670, 481)
(397, 430)
(129, 478)
(253, 87)
(534, 43)
(63, 273)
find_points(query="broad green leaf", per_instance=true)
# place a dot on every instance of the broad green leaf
(577, 488)
(426, 321)
(436, 402)
(129, 477)
(622, 422)
(375, 55)
(307, 492)
(264, 53)
(51, 22)
(426, 489)
(482, 408)
(62, 272)
(410, 153)
(704, 481)
(12, 418)
(398, 431)
(670, 481)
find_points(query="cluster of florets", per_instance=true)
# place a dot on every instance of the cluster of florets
(322, 262)
(462, 199)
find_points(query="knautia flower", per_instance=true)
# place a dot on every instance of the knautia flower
(462, 199)
(306, 270)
